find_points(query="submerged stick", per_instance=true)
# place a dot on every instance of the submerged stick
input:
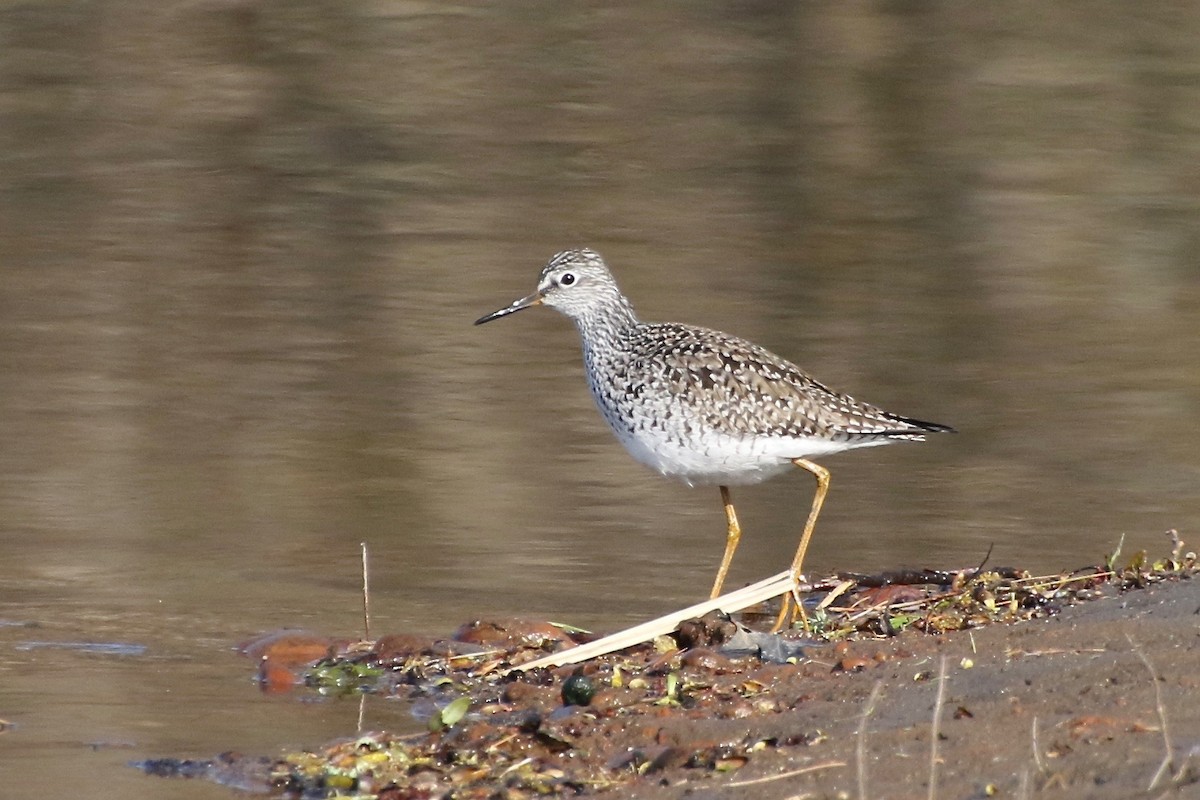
(366, 595)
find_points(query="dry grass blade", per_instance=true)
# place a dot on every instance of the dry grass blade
(729, 603)
(1037, 748)
(789, 774)
(1168, 759)
(937, 729)
(860, 749)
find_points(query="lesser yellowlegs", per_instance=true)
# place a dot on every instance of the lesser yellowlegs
(701, 405)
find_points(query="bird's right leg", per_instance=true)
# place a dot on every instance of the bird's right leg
(733, 534)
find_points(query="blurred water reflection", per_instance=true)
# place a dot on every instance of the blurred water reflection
(242, 246)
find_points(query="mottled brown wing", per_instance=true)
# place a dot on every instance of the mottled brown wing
(746, 389)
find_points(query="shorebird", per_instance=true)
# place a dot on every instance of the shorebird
(703, 406)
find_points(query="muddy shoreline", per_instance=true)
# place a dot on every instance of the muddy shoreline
(1068, 701)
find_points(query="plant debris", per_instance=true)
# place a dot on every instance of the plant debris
(498, 731)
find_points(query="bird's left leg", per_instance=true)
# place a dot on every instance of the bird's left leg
(822, 476)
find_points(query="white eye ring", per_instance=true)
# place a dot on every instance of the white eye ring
(567, 279)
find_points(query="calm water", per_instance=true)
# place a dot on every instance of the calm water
(242, 247)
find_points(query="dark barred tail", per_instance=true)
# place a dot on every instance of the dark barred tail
(914, 427)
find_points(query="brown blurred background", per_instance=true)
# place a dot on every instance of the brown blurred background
(242, 245)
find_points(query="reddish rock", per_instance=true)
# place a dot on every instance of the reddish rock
(401, 646)
(702, 658)
(512, 634)
(289, 648)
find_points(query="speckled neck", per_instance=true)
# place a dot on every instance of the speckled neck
(607, 322)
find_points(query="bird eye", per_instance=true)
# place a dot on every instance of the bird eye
(567, 279)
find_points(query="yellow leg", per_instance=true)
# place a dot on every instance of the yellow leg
(822, 476)
(733, 534)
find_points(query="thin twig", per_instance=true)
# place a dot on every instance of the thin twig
(1063, 580)
(366, 595)
(837, 592)
(516, 765)
(1054, 651)
(907, 605)
(986, 558)
(937, 729)
(1168, 760)
(860, 750)
(362, 711)
(789, 774)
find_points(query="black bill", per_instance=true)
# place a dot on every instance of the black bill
(534, 299)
